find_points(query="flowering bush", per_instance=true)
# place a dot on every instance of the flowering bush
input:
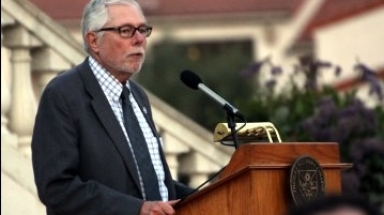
(321, 114)
(357, 130)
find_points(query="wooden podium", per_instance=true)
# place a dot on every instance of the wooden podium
(257, 180)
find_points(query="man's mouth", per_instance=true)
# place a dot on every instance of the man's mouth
(137, 55)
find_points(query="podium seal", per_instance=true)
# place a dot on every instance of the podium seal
(306, 180)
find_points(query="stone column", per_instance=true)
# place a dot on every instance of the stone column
(173, 148)
(5, 102)
(46, 64)
(6, 136)
(173, 165)
(23, 109)
(23, 105)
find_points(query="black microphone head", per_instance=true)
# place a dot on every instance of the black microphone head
(190, 79)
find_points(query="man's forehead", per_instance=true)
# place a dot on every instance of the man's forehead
(121, 11)
(125, 14)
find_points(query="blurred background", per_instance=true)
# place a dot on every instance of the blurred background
(314, 68)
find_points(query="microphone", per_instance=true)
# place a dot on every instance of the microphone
(193, 81)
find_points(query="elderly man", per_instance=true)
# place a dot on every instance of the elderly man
(95, 148)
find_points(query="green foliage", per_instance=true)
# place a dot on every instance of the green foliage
(217, 64)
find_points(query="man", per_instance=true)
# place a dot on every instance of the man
(85, 157)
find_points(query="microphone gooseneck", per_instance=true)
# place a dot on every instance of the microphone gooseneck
(194, 81)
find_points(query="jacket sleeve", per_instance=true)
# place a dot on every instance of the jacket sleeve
(55, 158)
(182, 190)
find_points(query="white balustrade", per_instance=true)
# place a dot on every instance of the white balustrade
(6, 136)
(23, 103)
(23, 109)
(46, 64)
(173, 147)
(197, 167)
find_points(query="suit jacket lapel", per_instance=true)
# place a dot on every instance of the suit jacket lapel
(144, 107)
(108, 119)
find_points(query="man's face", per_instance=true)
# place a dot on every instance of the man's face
(122, 57)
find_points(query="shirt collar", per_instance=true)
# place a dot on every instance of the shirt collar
(109, 83)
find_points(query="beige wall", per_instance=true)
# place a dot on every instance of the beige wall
(357, 39)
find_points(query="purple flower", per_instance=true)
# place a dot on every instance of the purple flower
(337, 71)
(276, 70)
(323, 64)
(252, 69)
(364, 147)
(369, 116)
(370, 76)
(350, 182)
(376, 88)
(327, 108)
(366, 71)
(270, 84)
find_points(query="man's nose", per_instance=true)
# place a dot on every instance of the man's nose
(138, 38)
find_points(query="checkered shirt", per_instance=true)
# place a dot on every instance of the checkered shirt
(112, 89)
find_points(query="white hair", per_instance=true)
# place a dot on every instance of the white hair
(95, 16)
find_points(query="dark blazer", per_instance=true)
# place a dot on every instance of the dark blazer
(81, 160)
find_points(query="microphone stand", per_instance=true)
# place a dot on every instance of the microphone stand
(231, 124)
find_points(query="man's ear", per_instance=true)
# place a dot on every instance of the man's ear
(91, 38)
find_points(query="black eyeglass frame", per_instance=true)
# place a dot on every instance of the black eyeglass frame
(145, 30)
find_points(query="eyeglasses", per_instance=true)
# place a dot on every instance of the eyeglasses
(127, 31)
